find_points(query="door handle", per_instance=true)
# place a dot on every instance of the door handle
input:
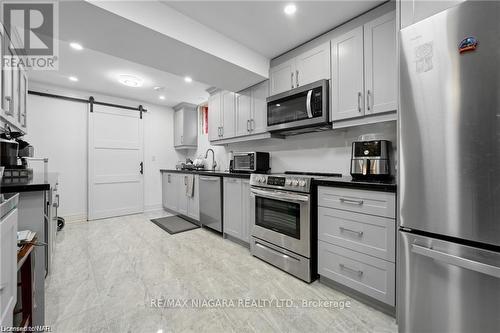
(142, 168)
(346, 268)
(296, 78)
(359, 233)
(308, 104)
(368, 99)
(351, 201)
(454, 260)
(359, 101)
(291, 78)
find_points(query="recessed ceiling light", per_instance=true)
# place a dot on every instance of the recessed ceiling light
(73, 78)
(130, 80)
(188, 79)
(161, 97)
(158, 88)
(290, 9)
(76, 46)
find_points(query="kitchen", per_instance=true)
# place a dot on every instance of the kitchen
(317, 177)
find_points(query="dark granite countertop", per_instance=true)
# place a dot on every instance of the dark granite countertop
(209, 173)
(348, 182)
(38, 183)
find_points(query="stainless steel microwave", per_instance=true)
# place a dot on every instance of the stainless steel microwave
(299, 110)
(251, 162)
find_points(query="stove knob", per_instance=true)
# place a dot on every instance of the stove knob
(262, 180)
(302, 183)
(295, 182)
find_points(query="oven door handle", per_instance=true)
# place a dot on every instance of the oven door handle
(308, 104)
(280, 195)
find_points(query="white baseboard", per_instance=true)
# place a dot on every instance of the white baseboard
(75, 218)
(152, 208)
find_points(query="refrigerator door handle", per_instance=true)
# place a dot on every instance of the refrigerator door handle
(456, 260)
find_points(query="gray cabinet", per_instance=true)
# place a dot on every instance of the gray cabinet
(8, 271)
(357, 240)
(13, 85)
(237, 208)
(413, 11)
(185, 126)
(214, 116)
(174, 194)
(251, 110)
(170, 190)
(310, 66)
(364, 64)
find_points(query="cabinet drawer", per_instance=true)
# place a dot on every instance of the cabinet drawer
(359, 201)
(372, 235)
(371, 276)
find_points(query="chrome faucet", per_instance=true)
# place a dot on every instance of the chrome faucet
(214, 164)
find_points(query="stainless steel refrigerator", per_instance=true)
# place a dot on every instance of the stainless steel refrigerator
(449, 194)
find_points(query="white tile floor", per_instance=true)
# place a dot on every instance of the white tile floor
(106, 273)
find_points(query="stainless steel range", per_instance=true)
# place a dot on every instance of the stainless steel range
(284, 222)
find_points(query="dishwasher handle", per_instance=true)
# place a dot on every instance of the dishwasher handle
(210, 179)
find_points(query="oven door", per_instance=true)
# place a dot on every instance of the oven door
(282, 218)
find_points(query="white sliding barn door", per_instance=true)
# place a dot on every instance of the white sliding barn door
(115, 156)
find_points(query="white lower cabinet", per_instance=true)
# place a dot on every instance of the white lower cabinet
(357, 240)
(175, 196)
(237, 208)
(8, 268)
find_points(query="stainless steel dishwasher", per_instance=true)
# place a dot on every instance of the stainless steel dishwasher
(211, 202)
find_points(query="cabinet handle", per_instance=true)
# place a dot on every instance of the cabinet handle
(368, 100)
(185, 180)
(351, 201)
(344, 267)
(252, 124)
(142, 168)
(9, 107)
(292, 79)
(168, 178)
(359, 101)
(248, 125)
(359, 233)
(222, 131)
(296, 78)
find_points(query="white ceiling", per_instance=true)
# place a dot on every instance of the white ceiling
(263, 27)
(163, 53)
(98, 72)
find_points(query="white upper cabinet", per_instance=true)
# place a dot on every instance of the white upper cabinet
(258, 122)
(282, 77)
(13, 86)
(310, 66)
(228, 119)
(214, 117)
(186, 126)
(380, 64)
(251, 109)
(313, 65)
(243, 112)
(364, 70)
(178, 121)
(413, 11)
(347, 75)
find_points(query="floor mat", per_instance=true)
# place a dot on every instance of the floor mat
(174, 224)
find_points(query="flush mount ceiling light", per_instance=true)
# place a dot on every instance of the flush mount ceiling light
(73, 78)
(188, 79)
(130, 80)
(76, 46)
(290, 9)
(161, 97)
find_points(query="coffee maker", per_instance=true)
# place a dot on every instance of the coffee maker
(14, 153)
(370, 160)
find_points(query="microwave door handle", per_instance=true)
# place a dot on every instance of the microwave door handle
(308, 104)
